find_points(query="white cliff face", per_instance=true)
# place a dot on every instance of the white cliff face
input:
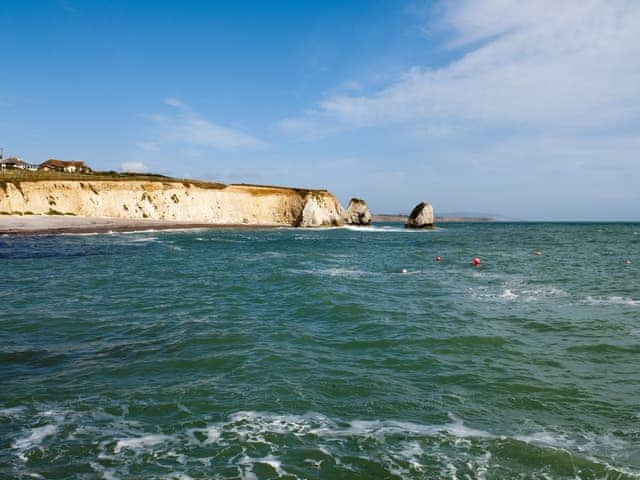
(321, 211)
(421, 216)
(358, 213)
(171, 200)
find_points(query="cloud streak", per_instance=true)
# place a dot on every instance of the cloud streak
(572, 65)
(185, 127)
(136, 167)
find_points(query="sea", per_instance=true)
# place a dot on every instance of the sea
(343, 353)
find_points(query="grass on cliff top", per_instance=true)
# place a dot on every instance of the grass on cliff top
(17, 176)
(267, 189)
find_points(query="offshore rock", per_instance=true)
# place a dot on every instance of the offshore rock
(421, 216)
(321, 211)
(358, 213)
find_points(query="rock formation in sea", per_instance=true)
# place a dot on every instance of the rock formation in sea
(358, 213)
(321, 211)
(172, 199)
(421, 216)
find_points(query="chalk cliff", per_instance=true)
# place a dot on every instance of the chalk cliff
(173, 200)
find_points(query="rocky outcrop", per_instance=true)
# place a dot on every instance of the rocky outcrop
(321, 211)
(358, 213)
(172, 200)
(421, 216)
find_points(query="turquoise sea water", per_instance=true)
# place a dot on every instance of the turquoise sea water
(308, 354)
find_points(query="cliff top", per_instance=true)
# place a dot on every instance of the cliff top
(17, 176)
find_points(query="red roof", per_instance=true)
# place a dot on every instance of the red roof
(62, 164)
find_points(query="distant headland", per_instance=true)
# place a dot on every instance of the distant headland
(437, 219)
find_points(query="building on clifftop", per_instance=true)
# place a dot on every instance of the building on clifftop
(15, 163)
(53, 165)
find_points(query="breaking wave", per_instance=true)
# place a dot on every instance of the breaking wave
(252, 444)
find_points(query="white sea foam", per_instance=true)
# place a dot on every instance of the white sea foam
(321, 426)
(386, 229)
(178, 476)
(33, 439)
(508, 294)
(334, 272)
(546, 291)
(251, 440)
(143, 240)
(140, 442)
(213, 433)
(12, 412)
(512, 292)
(87, 234)
(612, 301)
(544, 438)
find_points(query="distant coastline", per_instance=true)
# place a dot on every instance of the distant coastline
(403, 218)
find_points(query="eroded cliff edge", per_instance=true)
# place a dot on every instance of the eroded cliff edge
(182, 201)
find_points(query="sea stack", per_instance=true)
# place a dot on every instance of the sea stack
(358, 213)
(321, 212)
(421, 216)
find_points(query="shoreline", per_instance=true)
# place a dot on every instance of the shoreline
(55, 225)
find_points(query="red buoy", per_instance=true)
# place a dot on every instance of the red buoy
(438, 258)
(475, 261)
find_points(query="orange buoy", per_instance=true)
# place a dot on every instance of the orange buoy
(438, 258)
(475, 261)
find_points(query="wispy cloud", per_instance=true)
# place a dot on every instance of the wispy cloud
(174, 102)
(137, 167)
(186, 127)
(573, 64)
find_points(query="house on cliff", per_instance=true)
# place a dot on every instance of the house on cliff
(16, 164)
(53, 165)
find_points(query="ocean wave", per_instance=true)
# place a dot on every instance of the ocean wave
(144, 240)
(387, 229)
(332, 272)
(518, 293)
(614, 300)
(12, 411)
(32, 439)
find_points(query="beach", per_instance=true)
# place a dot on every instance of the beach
(58, 224)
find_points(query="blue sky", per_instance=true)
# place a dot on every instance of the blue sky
(524, 109)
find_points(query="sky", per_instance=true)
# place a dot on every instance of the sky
(527, 110)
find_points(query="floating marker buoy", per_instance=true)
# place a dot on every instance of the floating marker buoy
(404, 270)
(475, 261)
(438, 258)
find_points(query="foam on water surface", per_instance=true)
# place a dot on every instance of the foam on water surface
(268, 443)
(613, 300)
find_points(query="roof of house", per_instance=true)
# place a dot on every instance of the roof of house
(62, 164)
(12, 161)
